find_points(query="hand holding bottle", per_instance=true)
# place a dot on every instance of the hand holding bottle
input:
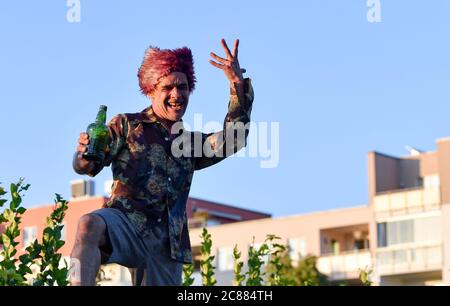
(92, 145)
(82, 165)
(83, 141)
(98, 137)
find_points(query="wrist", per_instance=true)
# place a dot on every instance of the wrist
(236, 80)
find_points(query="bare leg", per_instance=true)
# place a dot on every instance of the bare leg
(86, 256)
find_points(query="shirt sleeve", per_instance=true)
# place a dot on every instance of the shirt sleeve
(218, 146)
(117, 136)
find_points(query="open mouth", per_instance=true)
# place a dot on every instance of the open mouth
(175, 105)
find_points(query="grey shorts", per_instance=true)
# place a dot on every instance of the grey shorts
(147, 257)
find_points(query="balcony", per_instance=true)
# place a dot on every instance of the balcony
(410, 258)
(346, 265)
(407, 201)
(344, 250)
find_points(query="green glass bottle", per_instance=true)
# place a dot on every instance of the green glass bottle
(98, 137)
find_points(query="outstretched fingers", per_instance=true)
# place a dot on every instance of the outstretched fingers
(227, 50)
(235, 49)
(218, 58)
(229, 63)
(220, 66)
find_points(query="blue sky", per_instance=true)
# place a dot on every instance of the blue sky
(338, 85)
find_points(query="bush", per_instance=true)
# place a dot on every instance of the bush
(268, 265)
(43, 255)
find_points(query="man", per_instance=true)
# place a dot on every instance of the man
(144, 224)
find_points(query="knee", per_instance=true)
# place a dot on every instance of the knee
(91, 229)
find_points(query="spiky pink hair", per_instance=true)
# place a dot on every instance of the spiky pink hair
(159, 63)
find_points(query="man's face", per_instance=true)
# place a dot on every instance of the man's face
(171, 96)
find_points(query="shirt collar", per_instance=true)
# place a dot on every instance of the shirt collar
(148, 115)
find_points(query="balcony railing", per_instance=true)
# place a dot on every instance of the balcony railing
(345, 265)
(407, 201)
(409, 258)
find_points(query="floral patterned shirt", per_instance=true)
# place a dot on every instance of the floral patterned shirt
(150, 182)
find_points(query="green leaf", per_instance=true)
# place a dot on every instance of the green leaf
(59, 244)
(9, 250)
(24, 257)
(48, 231)
(2, 191)
(9, 215)
(57, 233)
(6, 241)
(26, 270)
(21, 210)
(13, 187)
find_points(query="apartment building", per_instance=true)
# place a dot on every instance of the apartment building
(410, 200)
(402, 233)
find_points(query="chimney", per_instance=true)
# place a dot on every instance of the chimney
(82, 188)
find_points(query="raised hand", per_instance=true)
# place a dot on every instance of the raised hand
(230, 64)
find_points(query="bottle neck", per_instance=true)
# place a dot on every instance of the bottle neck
(101, 115)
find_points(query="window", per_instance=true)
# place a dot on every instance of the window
(225, 259)
(297, 248)
(420, 230)
(400, 232)
(381, 234)
(29, 235)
